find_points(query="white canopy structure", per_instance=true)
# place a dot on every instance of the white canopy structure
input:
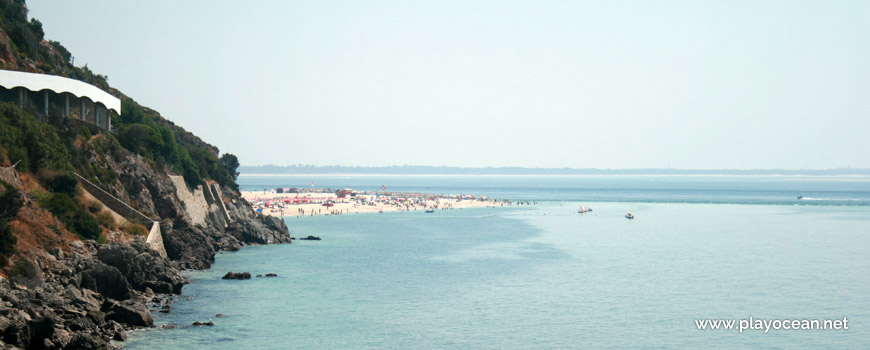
(38, 82)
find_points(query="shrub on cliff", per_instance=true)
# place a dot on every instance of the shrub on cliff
(106, 220)
(7, 243)
(135, 229)
(60, 182)
(140, 138)
(35, 144)
(73, 216)
(11, 201)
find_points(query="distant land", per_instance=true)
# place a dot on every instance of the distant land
(445, 170)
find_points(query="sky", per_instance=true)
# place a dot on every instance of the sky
(577, 84)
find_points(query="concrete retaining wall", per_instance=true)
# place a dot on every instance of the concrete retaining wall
(155, 239)
(194, 202)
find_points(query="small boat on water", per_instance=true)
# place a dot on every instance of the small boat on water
(629, 215)
(800, 197)
(430, 210)
(584, 209)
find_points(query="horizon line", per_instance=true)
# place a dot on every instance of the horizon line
(553, 168)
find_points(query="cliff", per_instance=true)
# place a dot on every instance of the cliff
(81, 215)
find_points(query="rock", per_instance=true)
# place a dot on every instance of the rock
(271, 275)
(220, 315)
(116, 331)
(106, 280)
(209, 323)
(259, 276)
(190, 246)
(143, 268)
(237, 276)
(249, 227)
(310, 238)
(85, 341)
(129, 313)
(166, 309)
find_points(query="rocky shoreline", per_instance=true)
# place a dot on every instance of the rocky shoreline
(87, 296)
(80, 294)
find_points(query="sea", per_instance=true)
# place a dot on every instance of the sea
(540, 275)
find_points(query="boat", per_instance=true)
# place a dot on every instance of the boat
(800, 197)
(629, 215)
(583, 209)
(430, 210)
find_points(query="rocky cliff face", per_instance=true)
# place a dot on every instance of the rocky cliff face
(62, 292)
(191, 235)
(81, 294)
(82, 298)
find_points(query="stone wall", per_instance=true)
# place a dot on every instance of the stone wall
(216, 193)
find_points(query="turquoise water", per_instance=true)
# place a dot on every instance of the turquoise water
(541, 276)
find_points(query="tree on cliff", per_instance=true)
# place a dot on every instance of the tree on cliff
(231, 163)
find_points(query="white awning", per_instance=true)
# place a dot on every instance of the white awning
(38, 82)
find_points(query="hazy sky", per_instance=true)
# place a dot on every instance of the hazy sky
(604, 84)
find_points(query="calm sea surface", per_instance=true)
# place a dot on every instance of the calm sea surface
(543, 276)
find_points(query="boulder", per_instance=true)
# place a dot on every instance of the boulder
(188, 245)
(129, 313)
(143, 268)
(86, 341)
(106, 280)
(116, 331)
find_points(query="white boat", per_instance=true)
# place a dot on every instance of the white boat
(629, 215)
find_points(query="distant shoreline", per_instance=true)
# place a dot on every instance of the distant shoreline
(863, 176)
(410, 170)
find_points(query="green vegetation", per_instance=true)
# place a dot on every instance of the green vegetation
(75, 217)
(35, 144)
(11, 201)
(7, 243)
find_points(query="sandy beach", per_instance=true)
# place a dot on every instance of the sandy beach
(328, 203)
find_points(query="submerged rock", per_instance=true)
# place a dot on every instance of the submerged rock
(237, 276)
(209, 323)
(310, 238)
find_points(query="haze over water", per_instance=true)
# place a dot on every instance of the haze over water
(544, 276)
